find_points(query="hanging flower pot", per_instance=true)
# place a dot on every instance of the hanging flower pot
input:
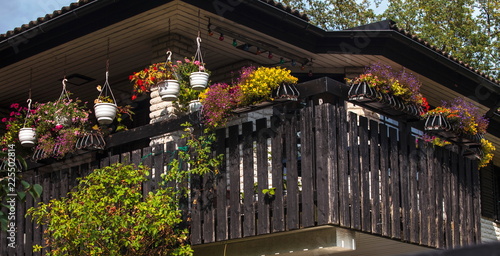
(198, 80)
(105, 112)
(286, 92)
(27, 137)
(168, 90)
(194, 106)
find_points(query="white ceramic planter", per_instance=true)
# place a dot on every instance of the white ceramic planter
(168, 90)
(198, 80)
(194, 106)
(27, 137)
(105, 112)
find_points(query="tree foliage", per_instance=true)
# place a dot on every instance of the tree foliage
(467, 29)
(106, 214)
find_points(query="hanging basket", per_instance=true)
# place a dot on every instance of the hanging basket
(27, 137)
(105, 112)
(198, 80)
(168, 90)
(286, 92)
(194, 106)
(383, 103)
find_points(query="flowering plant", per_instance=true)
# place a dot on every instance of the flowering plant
(384, 79)
(257, 84)
(184, 69)
(143, 80)
(58, 125)
(463, 116)
(218, 101)
(17, 119)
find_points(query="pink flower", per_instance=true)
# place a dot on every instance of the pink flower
(59, 127)
(197, 62)
(15, 105)
(179, 62)
(4, 119)
(13, 113)
(187, 60)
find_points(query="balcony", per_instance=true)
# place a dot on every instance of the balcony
(328, 168)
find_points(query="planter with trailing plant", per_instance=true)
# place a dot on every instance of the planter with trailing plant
(27, 137)
(460, 122)
(105, 107)
(395, 94)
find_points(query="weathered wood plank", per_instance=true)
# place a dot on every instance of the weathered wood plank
(431, 213)
(438, 184)
(343, 169)
(221, 233)
(354, 172)
(307, 146)
(196, 204)
(376, 219)
(248, 180)
(447, 203)
(136, 156)
(468, 203)
(413, 157)
(333, 165)
(147, 160)
(424, 193)
(292, 199)
(263, 133)
(322, 169)
(404, 175)
(455, 186)
(476, 202)
(234, 182)
(364, 156)
(395, 185)
(278, 218)
(462, 194)
(384, 181)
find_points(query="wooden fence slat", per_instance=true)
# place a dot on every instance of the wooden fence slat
(354, 196)
(248, 180)
(384, 181)
(447, 197)
(343, 181)
(438, 184)
(278, 217)
(136, 157)
(292, 200)
(322, 169)
(414, 155)
(455, 186)
(234, 182)
(476, 203)
(147, 160)
(29, 224)
(462, 200)
(222, 223)
(375, 178)
(431, 209)
(307, 168)
(333, 163)
(423, 192)
(469, 213)
(404, 176)
(263, 133)
(395, 185)
(364, 156)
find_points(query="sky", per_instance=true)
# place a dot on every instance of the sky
(15, 13)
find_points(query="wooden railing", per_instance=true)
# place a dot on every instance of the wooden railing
(325, 167)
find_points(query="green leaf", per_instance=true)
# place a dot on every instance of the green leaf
(21, 195)
(25, 184)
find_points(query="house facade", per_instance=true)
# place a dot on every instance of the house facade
(349, 179)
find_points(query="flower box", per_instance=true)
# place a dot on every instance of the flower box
(439, 126)
(392, 106)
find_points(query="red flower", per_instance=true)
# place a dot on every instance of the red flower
(134, 97)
